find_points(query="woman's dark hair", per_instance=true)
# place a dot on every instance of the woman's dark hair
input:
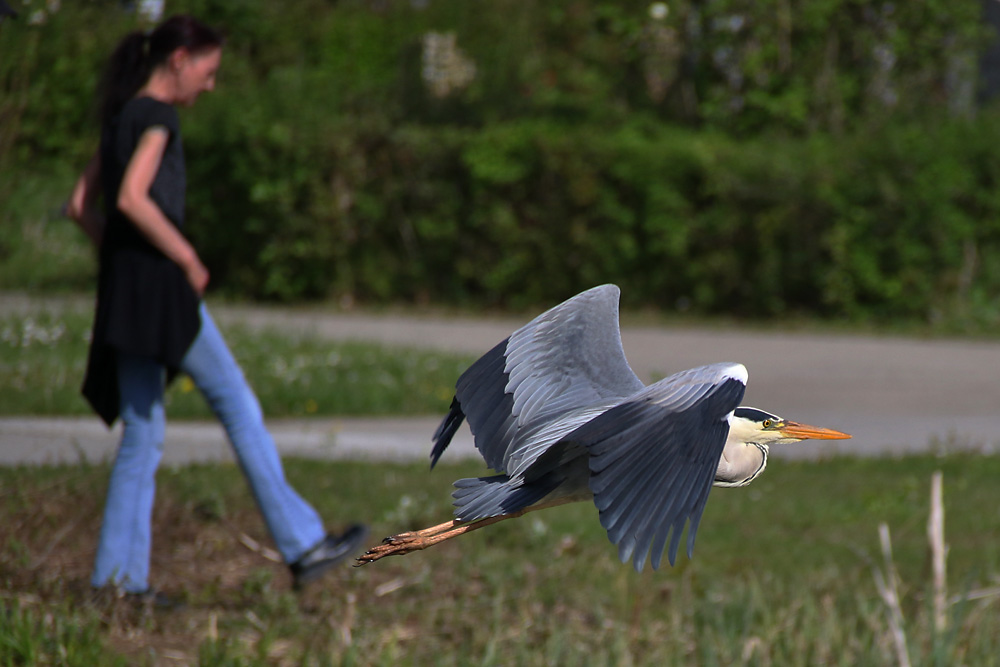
(138, 54)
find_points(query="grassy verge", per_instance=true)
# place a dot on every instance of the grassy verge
(782, 574)
(43, 358)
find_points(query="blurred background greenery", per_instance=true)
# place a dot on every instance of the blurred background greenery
(828, 158)
(832, 159)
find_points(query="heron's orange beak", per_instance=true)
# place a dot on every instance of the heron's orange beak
(806, 432)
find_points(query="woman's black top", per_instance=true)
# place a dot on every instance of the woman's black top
(145, 305)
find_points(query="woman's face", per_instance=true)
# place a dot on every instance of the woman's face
(195, 74)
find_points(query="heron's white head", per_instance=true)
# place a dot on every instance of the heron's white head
(750, 425)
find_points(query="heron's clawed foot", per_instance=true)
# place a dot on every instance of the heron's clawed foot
(394, 545)
(415, 540)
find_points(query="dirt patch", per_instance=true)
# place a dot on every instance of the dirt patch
(217, 568)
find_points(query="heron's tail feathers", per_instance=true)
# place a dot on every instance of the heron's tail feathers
(483, 497)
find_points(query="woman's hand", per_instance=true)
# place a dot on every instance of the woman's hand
(197, 275)
(82, 205)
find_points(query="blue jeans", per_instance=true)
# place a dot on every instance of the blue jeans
(124, 547)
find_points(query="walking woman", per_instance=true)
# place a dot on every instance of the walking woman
(151, 323)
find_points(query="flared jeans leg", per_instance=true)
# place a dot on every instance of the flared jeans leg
(126, 535)
(292, 522)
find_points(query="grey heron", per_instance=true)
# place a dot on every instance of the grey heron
(558, 413)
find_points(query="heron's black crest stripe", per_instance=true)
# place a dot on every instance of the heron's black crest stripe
(754, 415)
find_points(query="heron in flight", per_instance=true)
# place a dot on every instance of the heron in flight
(556, 410)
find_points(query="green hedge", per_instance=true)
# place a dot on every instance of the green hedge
(890, 222)
(745, 158)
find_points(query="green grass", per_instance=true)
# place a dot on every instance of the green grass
(43, 359)
(781, 574)
(60, 636)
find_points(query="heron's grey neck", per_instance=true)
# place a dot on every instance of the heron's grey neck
(740, 463)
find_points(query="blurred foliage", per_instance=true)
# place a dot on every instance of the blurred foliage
(760, 158)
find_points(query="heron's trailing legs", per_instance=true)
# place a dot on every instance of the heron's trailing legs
(404, 543)
(415, 540)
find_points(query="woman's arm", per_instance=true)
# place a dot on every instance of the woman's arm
(82, 206)
(134, 201)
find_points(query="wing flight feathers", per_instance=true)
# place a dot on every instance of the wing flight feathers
(653, 458)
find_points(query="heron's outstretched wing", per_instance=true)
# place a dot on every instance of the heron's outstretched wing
(654, 456)
(566, 359)
(480, 394)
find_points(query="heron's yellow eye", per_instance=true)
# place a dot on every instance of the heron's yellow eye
(767, 423)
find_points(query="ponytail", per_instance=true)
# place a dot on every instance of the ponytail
(138, 54)
(126, 72)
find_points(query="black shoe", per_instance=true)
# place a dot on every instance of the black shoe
(153, 599)
(332, 550)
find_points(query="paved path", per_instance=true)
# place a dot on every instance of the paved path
(893, 394)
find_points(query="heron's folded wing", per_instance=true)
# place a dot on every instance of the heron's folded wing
(654, 456)
(568, 358)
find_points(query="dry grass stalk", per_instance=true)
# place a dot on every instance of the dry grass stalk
(257, 547)
(889, 593)
(939, 553)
